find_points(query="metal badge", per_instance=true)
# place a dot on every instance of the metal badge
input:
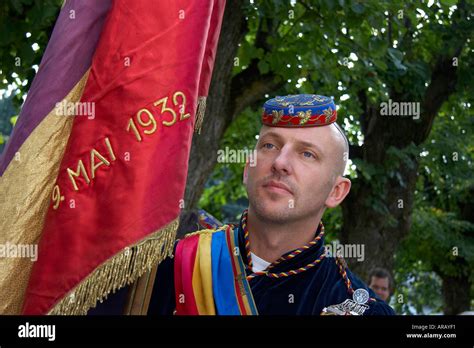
(348, 307)
(360, 296)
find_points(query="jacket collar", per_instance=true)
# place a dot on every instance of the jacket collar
(300, 260)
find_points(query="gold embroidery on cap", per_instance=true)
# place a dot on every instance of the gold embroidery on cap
(328, 113)
(304, 116)
(277, 115)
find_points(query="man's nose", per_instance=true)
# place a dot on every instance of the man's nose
(282, 163)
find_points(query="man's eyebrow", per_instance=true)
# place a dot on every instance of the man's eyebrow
(310, 145)
(271, 134)
(298, 142)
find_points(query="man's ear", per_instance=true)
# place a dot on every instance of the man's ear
(246, 173)
(340, 190)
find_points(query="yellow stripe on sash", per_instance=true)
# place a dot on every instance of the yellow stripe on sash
(202, 276)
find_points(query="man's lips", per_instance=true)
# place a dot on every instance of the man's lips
(277, 187)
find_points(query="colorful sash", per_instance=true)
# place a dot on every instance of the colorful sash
(210, 275)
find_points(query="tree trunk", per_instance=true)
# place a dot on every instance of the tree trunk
(456, 294)
(366, 226)
(456, 290)
(380, 232)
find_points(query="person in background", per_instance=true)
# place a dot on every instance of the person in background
(381, 282)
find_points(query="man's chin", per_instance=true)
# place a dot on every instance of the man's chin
(276, 211)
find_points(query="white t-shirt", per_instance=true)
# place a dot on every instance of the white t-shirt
(258, 264)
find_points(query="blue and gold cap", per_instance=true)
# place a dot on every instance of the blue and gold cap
(300, 110)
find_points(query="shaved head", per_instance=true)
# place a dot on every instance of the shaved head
(340, 140)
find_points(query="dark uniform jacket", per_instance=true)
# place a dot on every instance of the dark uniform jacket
(308, 293)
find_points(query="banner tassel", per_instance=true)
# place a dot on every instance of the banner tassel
(201, 110)
(120, 270)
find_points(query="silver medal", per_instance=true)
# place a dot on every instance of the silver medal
(360, 296)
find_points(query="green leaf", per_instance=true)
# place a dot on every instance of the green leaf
(449, 2)
(380, 64)
(17, 5)
(13, 120)
(395, 54)
(377, 47)
(358, 7)
(396, 57)
(263, 67)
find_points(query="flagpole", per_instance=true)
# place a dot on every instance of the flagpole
(139, 295)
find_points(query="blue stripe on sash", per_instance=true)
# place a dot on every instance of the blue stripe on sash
(222, 276)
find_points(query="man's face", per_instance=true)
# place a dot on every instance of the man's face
(380, 287)
(295, 172)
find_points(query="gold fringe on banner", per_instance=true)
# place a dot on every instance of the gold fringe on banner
(201, 110)
(121, 269)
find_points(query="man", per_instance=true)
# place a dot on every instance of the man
(381, 282)
(274, 261)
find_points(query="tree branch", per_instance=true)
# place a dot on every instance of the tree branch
(249, 87)
(443, 79)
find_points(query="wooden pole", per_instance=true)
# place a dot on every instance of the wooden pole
(139, 295)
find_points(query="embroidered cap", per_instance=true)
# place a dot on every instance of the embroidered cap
(300, 110)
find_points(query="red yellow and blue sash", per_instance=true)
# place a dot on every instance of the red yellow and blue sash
(210, 275)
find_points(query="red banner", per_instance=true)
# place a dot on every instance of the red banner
(121, 182)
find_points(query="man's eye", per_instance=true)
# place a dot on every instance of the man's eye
(308, 154)
(268, 146)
